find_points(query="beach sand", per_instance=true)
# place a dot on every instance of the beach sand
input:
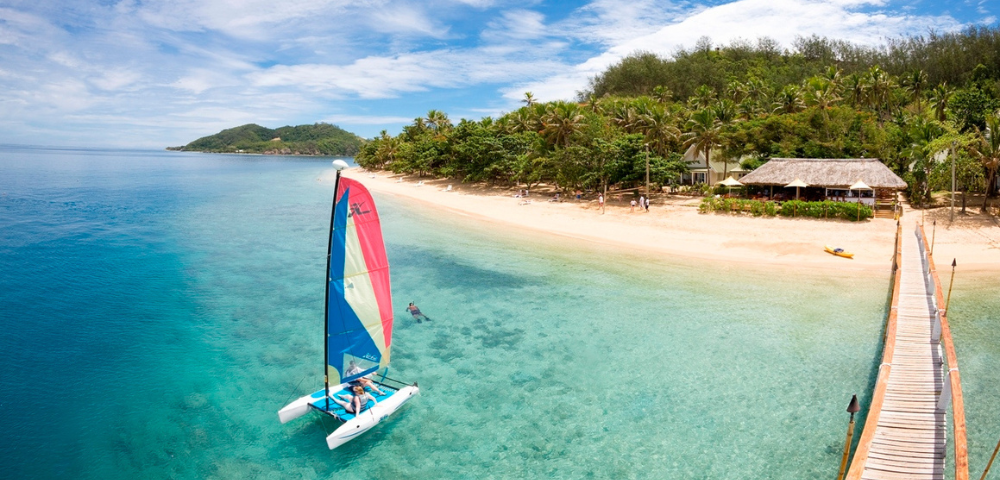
(674, 227)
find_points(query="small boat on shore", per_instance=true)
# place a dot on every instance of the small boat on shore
(838, 252)
(358, 321)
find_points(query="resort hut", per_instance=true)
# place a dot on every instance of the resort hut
(832, 178)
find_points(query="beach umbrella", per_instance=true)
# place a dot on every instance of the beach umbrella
(797, 184)
(859, 185)
(730, 182)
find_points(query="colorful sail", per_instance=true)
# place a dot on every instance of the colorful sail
(360, 302)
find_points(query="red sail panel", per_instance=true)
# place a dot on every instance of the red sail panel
(361, 208)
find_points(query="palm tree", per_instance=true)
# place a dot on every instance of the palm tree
(879, 85)
(820, 93)
(923, 133)
(662, 94)
(854, 87)
(725, 110)
(522, 120)
(561, 122)
(387, 148)
(659, 129)
(529, 99)
(703, 132)
(939, 98)
(703, 97)
(915, 82)
(788, 100)
(988, 152)
(438, 121)
(736, 91)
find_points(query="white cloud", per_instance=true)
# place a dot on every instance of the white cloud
(516, 24)
(609, 22)
(115, 79)
(405, 19)
(386, 77)
(367, 119)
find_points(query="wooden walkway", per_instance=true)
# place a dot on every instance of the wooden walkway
(905, 435)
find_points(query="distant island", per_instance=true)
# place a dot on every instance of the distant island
(316, 139)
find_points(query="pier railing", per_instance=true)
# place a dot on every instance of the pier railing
(882, 382)
(951, 392)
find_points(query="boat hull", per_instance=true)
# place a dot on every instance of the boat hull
(831, 251)
(356, 425)
(369, 418)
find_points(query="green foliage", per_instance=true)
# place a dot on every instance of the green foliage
(317, 139)
(965, 58)
(969, 108)
(791, 208)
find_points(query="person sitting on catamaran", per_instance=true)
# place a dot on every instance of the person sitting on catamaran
(417, 315)
(354, 369)
(354, 403)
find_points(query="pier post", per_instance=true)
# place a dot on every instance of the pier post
(933, 235)
(947, 302)
(945, 399)
(852, 408)
(990, 464)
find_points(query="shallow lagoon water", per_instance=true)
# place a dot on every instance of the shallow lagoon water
(158, 308)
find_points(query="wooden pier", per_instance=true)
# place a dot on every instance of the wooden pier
(905, 435)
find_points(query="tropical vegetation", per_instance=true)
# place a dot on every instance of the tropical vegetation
(916, 103)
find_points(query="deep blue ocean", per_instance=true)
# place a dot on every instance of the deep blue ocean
(158, 308)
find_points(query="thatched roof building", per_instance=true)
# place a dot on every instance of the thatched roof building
(825, 172)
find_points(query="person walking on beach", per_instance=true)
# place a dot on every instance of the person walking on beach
(632, 203)
(642, 202)
(600, 201)
(647, 204)
(417, 315)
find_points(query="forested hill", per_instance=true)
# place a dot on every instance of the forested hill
(316, 139)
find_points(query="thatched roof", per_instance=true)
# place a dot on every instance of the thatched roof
(825, 172)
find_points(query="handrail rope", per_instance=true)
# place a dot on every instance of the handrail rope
(957, 401)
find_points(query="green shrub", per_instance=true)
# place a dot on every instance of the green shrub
(790, 208)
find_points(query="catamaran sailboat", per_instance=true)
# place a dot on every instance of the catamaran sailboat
(358, 319)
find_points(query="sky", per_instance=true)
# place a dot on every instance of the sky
(158, 73)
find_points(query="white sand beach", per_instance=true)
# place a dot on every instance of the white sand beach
(673, 226)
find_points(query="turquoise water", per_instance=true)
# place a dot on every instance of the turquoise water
(975, 325)
(159, 308)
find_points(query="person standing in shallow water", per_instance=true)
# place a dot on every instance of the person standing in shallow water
(417, 315)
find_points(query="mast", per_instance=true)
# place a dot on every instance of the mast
(326, 301)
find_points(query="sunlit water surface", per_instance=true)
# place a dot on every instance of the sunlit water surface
(157, 309)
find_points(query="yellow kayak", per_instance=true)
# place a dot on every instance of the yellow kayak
(838, 252)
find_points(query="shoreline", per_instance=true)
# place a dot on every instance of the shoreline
(673, 227)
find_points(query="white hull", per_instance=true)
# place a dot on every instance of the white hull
(354, 427)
